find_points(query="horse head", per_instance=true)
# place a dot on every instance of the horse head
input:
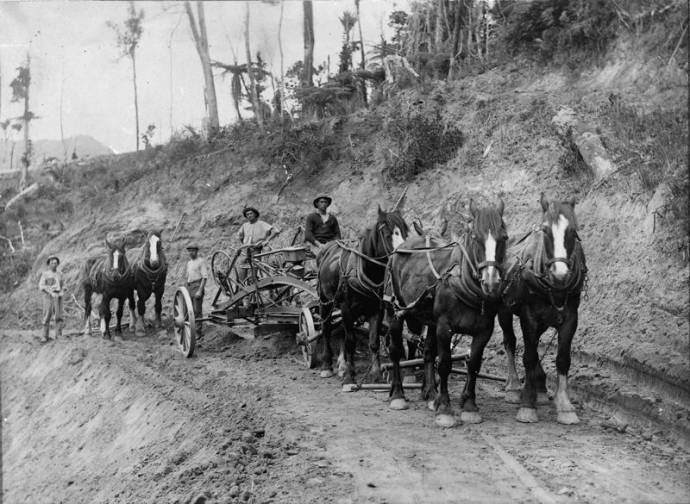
(118, 259)
(559, 228)
(153, 249)
(391, 231)
(488, 232)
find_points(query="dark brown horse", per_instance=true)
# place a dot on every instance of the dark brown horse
(352, 280)
(546, 274)
(150, 269)
(110, 275)
(453, 289)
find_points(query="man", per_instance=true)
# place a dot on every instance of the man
(254, 232)
(50, 285)
(197, 274)
(321, 226)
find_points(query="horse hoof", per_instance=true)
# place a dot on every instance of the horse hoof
(470, 417)
(567, 418)
(543, 398)
(430, 404)
(512, 396)
(527, 415)
(445, 420)
(350, 387)
(326, 373)
(398, 404)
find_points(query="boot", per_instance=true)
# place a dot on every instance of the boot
(46, 333)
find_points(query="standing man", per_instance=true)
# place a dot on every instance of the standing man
(254, 232)
(50, 284)
(197, 274)
(321, 226)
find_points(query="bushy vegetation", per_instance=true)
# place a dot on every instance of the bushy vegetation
(416, 140)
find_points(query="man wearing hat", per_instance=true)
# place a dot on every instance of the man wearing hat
(321, 226)
(254, 232)
(197, 274)
(50, 284)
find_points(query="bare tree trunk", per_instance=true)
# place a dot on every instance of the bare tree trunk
(362, 64)
(136, 97)
(438, 28)
(282, 69)
(486, 35)
(469, 28)
(170, 55)
(26, 158)
(256, 106)
(456, 43)
(62, 130)
(201, 42)
(308, 29)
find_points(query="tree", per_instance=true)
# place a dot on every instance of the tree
(282, 69)
(308, 32)
(201, 43)
(253, 94)
(348, 22)
(128, 37)
(20, 91)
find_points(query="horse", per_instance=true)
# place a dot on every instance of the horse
(111, 276)
(352, 280)
(547, 272)
(150, 269)
(452, 288)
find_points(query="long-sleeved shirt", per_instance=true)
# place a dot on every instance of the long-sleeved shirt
(316, 230)
(50, 281)
(196, 269)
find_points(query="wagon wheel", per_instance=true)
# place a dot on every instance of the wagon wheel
(306, 338)
(184, 325)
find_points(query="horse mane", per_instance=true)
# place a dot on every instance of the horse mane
(394, 219)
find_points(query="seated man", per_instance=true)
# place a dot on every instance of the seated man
(321, 226)
(254, 232)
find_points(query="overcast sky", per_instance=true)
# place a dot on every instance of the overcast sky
(74, 52)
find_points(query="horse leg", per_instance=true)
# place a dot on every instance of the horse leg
(132, 311)
(140, 329)
(118, 313)
(374, 342)
(159, 306)
(470, 412)
(395, 350)
(325, 339)
(429, 389)
(105, 317)
(444, 413)
(530, 358)
(349, 346)
(542, 392)
(564, 408)
(88, 290)
(512, 388)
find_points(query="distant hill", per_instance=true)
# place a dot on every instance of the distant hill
(85, 146)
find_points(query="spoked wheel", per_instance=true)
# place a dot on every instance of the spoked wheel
(306, 338)
(184, 325)
(224, 272)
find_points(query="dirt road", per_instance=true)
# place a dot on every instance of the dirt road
(85, 420)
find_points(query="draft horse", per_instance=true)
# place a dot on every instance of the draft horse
(149, 268)
(547, 273)
(453, 289)
(352, 280)
(108, 274)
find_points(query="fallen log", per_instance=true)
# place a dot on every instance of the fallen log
(26, 192)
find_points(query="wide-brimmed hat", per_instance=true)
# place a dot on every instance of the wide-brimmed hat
(50, 258)
(192, 246)
(327, 198)
(250, 209)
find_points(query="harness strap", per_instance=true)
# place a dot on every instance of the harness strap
(428, 260)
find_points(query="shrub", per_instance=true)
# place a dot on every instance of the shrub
(417, 140)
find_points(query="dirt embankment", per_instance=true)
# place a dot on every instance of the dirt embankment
(87, 420)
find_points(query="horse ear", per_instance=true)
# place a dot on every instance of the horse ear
(544, 202)
(107, 244)
(572, 202)
(160, 233)
(501, 206)
(473, 208)
(381, 212)
(444, 227)
(418, 227)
